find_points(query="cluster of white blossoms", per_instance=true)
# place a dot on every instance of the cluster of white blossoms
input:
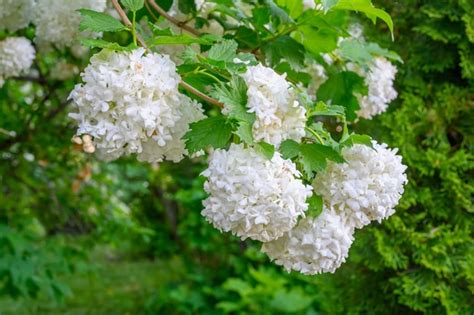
(15, 14)
(57, 22)
(315, 245)
(16, 57)
(130, 103)
(279, 115)
(251, 196)
(365, 188)
(379, 79)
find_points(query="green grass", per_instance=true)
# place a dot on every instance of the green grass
(111, 287)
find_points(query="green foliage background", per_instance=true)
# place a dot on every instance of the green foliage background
(79, 236)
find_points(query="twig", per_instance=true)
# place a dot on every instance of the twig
(183, 84)
(196, 92)
(172, 19)
(127, 21)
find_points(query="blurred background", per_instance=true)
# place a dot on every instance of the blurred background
(80, 236)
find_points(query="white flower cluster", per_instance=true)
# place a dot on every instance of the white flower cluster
(251, 196)
(130, 103)
(379, 80)
(16, 57)
(15, 14)
(57, 22)
(272, 99)
(315, 245)
(367, 187)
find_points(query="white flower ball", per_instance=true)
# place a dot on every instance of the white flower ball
(16, 56)
(367, 187)
(57, 22)
(379, 80)
(251, 196)
(130, 103)
(15, 14)
(315, 245)
(272, 99)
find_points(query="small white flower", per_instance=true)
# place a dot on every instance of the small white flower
(16, 56)
(315, 245)
(367, 187)
(57, 22)
(279, 116)
(251, 196)
(130, 104)
(15, 14)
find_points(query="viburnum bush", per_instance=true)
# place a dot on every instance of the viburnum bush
(266, 91)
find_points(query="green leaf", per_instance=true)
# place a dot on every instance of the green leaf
(266, 149)
(244, 131)
(223, 51)
(294, 8)
(366, 6)
(133, 5)
(186, 6)
(286, 48)
(100, 43)
(293, 301)
(289, 149)
(355, 51)
(322, 109)
(328, 4)
(182, 39)
(316, 40)
(362, 52)
(315, 203)
(99, 22)
(278, 12)
(340, 88)
(313, 157)
(234, 96)
(358, 139)
(212, 131)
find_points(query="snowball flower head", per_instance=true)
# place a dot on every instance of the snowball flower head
(315, 245)
(367, 187)
(15, 14)
(129, 102)
(279, 116)
(16, 56)
(57, 22)
(379, 80)
(251, 196)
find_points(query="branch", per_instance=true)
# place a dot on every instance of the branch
(172, 19)
(183, 84)
(196, 92)
(127, 21)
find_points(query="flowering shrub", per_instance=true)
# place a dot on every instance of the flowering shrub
(267, 92)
